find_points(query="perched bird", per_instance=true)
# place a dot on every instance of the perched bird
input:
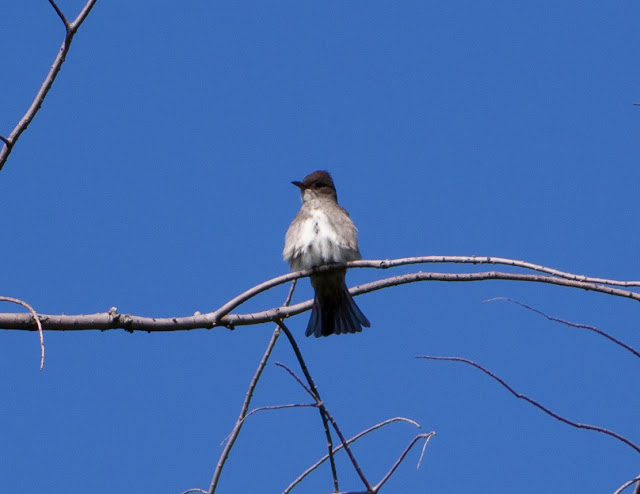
(321, 233)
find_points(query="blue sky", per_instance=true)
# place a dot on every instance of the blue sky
(156, 179)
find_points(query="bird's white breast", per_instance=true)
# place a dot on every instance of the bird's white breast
(318, 243)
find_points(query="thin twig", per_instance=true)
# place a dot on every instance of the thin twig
(304, 474)
(34, 314)
(273, 407)
(629, 484)
(82, 15)
(71, 29)
(329, 417)
(247, 400)
(570, 324)
(60, 14)
(313, 391)
(562, 419)
(426, 438)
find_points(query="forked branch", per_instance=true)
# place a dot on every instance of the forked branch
(70, 30)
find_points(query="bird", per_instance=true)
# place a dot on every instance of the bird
(322, 233)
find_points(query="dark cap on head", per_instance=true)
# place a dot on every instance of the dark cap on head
(321, 177)
(318, 184)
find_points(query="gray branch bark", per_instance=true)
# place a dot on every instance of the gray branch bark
(71, 28)
(223, 317)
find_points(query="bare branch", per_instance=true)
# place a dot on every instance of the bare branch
(33, 314)
(313, 391)
(323, 409)
(386, 264)
(349, 441)
(60, 14)
(247, 400)
(82, 15)
(222, 317)
(570, 324)
(71, 29)
(577, 425)
(277, 407)
(426, 438)
(629, 484)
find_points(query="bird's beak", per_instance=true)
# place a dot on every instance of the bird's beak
(298, 184)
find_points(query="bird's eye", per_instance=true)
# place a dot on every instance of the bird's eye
(319, 185)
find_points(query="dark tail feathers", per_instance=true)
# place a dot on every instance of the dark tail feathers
(335, 315)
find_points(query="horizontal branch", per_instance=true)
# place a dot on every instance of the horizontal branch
(223, 317)
(503, 261)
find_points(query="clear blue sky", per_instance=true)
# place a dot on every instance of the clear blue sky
(156, 179)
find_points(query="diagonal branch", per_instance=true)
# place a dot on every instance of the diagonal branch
(71, 29)
(327, 415)
(628, 484)
(339, 447)
(247, 400)
(426, 437)
(556, 416)
(60, 14)
(570, 324)
(313, 391)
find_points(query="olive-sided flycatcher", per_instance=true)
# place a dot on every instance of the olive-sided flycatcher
(321, 233)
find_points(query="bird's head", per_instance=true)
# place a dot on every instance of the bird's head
(318, 184)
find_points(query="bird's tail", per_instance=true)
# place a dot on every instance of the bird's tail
(335, 312)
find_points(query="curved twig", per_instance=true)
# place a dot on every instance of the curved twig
(247, 400)
(628, 484)
(60, 14)
(33, 314)
(383, 264)
(312, 390)
(71, 29)
(426, 437)
(556, 416)
(304, 474)
(324, 413)
(405, 261)
(569, 323)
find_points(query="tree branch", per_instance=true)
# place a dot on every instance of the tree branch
(556, 416)
(60, 14)
(324, 413)
(71, 29)
(629, 348)
(339, 447)
(34, 315)
(426, 438)
(628, 484)
(247, 400)
(222, 317)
